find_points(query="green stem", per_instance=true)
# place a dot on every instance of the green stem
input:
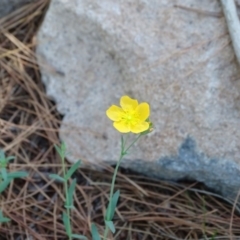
(125, 151)
(122, 154)
(67, 198)
(111, 191)
(125, 142)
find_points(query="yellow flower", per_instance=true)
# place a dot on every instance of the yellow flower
(131, 117)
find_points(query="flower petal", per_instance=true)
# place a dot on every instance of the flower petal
(141, 127)
(115, 113)
(122, 126)
(128, 103)
(143, 111)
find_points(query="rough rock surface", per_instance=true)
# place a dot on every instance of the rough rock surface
(7, 6)
(180, 61)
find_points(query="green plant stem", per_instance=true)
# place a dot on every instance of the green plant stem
(124, 142)
(122, 154)
(125, 151)
(67, 197)
(111, 191)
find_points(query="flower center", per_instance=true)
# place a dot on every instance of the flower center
(130, 117)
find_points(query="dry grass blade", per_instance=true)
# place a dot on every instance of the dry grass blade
(29, 124)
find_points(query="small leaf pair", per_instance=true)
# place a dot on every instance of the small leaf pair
(69, 173)
(111, 210)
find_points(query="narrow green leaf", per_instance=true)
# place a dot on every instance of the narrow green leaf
(108, 212)
(112, 206)
(77, 236)
(58, 149)
(115, 200)
(4, 185)
(56, 177)
(4, 174)
(73, 168)
(4, 160)
(94, 232)
(61, 150)
(71, 189)
(111, 226)
(63, 147)
(66, 224)
(3, 219)
(21, 174)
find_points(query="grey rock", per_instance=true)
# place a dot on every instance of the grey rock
(180, 61)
